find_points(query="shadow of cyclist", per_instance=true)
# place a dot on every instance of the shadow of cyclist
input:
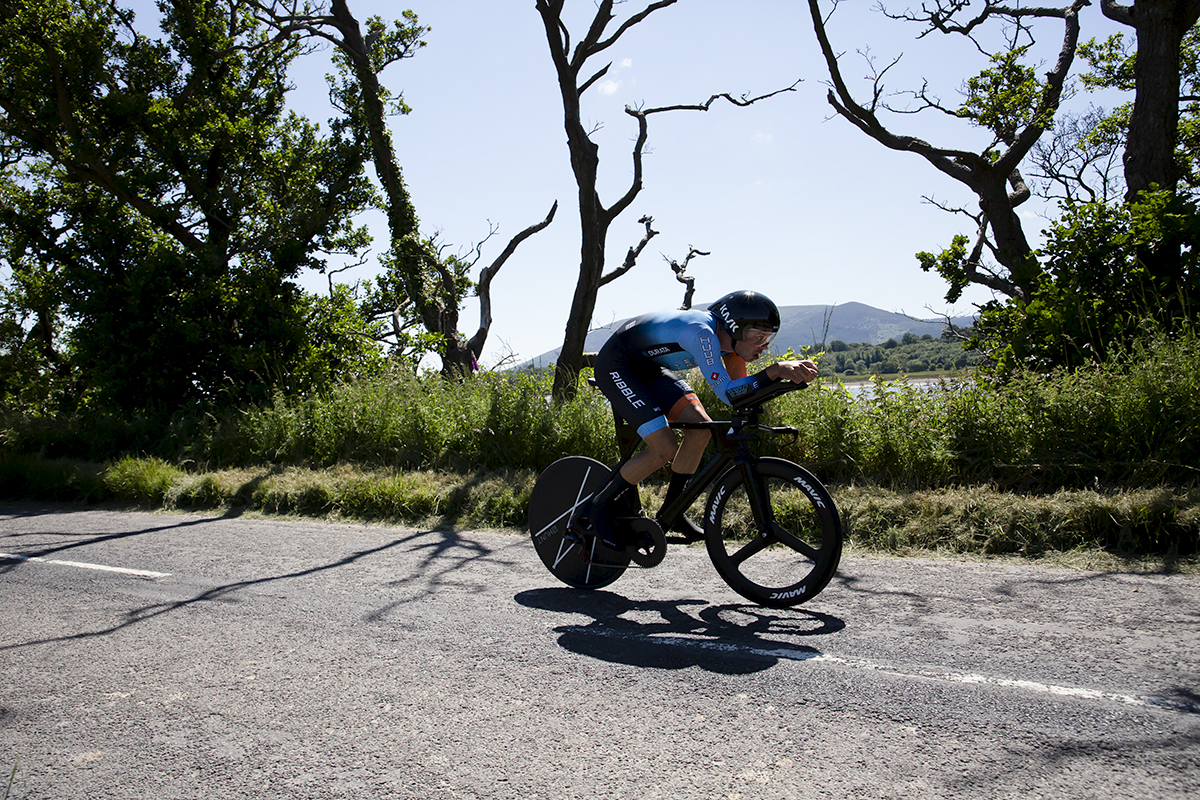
(661, 634)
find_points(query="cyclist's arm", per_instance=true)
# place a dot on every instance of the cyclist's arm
(795, 371)
(792, 371)
(735, 365)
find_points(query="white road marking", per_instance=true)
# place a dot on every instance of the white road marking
(140, 573)
(804, 654)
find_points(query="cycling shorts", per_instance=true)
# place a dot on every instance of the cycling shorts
(646, 395)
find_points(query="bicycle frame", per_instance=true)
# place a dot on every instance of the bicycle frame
(732, 444)
(799, 551)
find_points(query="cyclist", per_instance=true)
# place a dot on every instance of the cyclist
(635, 369)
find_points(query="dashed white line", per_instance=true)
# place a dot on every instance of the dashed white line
(804, 654)
(140, 573)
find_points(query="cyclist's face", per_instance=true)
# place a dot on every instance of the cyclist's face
(754, 343)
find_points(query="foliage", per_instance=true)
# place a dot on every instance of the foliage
(492, 421)
(1134, 420)
(1112, 64)
(982, 520)
(139, 479)
(1098, 292)
(909, 355)
(1005, 97)
(341, 341)
(158, 206)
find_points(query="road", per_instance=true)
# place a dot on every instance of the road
(250, 658)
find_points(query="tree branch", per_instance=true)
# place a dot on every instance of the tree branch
(634, 252)
(686, 280)
(484, 285)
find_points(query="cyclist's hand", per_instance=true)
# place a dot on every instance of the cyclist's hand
(795, 371)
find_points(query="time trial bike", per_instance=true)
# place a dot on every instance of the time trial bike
(771, 529)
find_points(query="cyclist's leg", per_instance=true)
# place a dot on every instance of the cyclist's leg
(691, 449)
(625, 382)
(643, 393)
(686, 461)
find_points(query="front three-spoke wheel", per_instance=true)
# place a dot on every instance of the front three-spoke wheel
(775, 539)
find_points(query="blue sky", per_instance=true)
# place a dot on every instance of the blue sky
(789, 199)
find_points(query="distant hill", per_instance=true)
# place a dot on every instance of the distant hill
(804, 326)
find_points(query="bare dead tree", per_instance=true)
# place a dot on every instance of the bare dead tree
(993, 175)
(595, 218)
(483, 287)
(632, 256)
(686, 280)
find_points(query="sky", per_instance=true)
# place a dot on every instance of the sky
(787, 198)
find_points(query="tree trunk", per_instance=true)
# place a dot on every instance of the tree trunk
(583, 304)
(402, 217)
(1150, 147)
(1153, 125)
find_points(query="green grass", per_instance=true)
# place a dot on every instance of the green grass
(1121, 529)
(1104, 457)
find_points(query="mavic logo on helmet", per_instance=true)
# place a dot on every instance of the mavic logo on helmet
(728, 318)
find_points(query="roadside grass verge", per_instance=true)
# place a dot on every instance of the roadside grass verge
(1106, 457)
(1148, 529)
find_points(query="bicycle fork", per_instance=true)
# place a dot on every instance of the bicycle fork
(756, 495)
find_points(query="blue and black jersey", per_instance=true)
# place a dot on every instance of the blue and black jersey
(635, 368)
(681, 340)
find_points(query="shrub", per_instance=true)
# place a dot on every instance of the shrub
(140, 479)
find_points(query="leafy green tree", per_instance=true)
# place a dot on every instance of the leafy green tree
(419, 287)
(1106, 268)
(1007, 100)
(341, 341)
(167, 199)
(1099, 292)
(1161, 27)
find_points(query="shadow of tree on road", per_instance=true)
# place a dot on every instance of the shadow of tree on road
(661, 634)
(64, 540)
(418, 539)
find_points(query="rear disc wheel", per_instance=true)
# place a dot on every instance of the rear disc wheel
(563, 490)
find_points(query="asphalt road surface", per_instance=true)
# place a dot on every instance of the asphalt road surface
(186, 656)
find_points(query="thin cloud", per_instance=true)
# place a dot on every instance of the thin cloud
(612, 85)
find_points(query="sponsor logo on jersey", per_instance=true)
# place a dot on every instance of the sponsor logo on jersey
(706, 350)
(630, 395)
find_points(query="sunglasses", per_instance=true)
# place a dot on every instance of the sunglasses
(756, 337)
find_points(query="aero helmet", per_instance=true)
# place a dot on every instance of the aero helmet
(738, 312)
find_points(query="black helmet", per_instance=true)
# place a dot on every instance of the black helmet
(738, 312)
